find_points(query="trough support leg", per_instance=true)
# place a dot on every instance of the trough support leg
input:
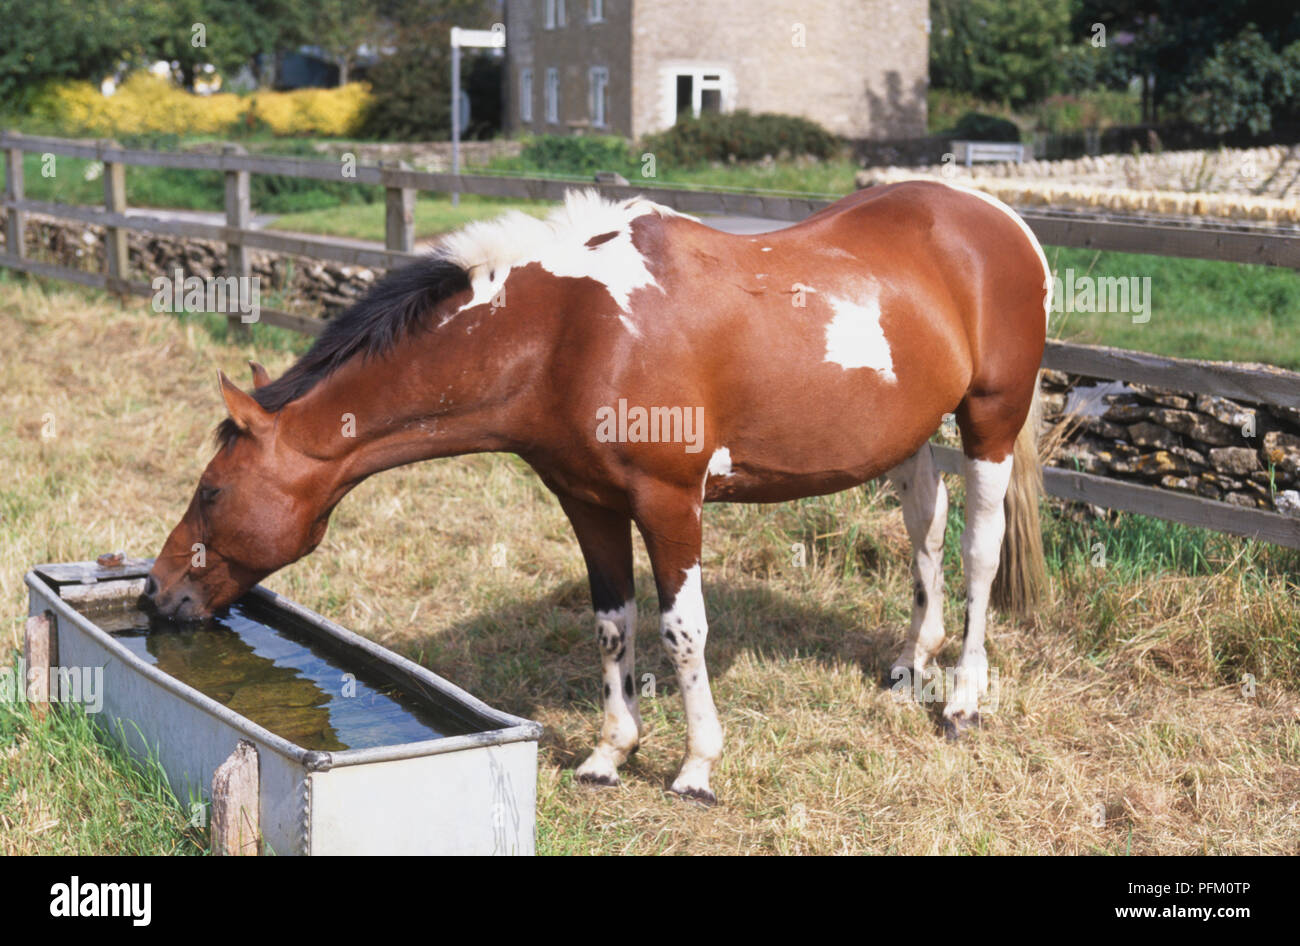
(38, 656)
(236, 812)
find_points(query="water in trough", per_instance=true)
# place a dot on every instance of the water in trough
(273, 674)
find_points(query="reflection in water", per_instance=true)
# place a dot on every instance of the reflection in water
(279, 680)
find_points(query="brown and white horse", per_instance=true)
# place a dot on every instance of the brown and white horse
(644, 364)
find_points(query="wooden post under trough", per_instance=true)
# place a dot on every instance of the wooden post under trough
(40, 652)
(236, 812)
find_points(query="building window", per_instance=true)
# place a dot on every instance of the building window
(553, 96)
(595, 11)
(526, 96)
(693, 92)
(560, 19)
(553, 14)
(599, 80)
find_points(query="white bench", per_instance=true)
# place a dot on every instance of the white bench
(968, 152)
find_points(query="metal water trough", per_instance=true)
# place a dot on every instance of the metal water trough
(465, 794)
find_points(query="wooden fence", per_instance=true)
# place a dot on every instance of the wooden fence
(1229, 242)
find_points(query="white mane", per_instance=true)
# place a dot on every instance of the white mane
(489, 249)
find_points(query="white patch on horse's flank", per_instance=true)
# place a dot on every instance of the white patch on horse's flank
(1048, 282)
(720, 462)
(766, 249)
(630, 326)
(854, 338)
(490, 250)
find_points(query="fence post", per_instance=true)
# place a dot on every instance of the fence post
(115, 245)
(399, 212)
(16, 220)
(239, 215)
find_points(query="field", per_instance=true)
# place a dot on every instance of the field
(1123, 724)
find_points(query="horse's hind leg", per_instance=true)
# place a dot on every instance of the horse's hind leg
(989, 426)
(925, 511)
(606, 540)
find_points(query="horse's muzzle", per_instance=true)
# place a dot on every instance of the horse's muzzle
(180, 602)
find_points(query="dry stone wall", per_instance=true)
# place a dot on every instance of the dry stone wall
(1239, 453)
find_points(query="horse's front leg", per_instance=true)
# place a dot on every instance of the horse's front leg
(605, 537)
(670, 524)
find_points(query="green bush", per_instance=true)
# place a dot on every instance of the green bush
(575, 154)
(275, 193)
(741, 136)
(977, 126)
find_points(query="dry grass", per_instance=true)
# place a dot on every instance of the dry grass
(1121, 723)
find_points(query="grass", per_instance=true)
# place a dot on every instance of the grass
(65, 789)
(433, 216)
(1123, 695)
(1199, 308)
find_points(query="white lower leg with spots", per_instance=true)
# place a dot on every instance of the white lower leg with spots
(620, 730)
(981, 546)
(685, 630)
(924, 499)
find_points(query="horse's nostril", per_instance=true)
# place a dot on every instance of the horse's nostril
(151, 586)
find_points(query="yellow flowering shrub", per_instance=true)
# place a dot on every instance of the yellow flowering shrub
(148, 104)
(334, 113)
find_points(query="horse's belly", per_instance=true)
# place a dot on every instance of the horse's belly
(827, 436)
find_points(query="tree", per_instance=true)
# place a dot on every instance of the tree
(412, 87)
(1241, 86)
(67, 39)
(998, 50)
(341, 27)
(1172, 41)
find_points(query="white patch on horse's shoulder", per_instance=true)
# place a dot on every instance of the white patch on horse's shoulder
(766, 249)
(720, 462)
(490, 250)
(630, 326)
(854, 337)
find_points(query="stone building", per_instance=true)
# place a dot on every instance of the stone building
(630, 67)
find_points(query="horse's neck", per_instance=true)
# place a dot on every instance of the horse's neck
(421, 401)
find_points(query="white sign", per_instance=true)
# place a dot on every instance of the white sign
(494, 38)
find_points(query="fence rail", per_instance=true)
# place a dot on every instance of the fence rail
(1230, 242)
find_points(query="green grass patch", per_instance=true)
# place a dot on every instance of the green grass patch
(66, 788)
(1198, 308)
(434, 215)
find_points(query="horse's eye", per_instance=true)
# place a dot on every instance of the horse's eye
(208, 493)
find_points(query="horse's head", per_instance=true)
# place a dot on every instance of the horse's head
(259, 505)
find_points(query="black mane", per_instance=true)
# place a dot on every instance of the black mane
(371, 326)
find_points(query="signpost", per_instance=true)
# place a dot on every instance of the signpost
(494, 38)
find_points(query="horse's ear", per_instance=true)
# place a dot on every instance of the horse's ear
(247, 414)
(260, 378)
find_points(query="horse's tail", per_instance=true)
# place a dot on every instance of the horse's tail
(1021, 582)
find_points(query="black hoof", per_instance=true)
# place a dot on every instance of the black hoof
(701, 795)
(597, 781)
(956, 727)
